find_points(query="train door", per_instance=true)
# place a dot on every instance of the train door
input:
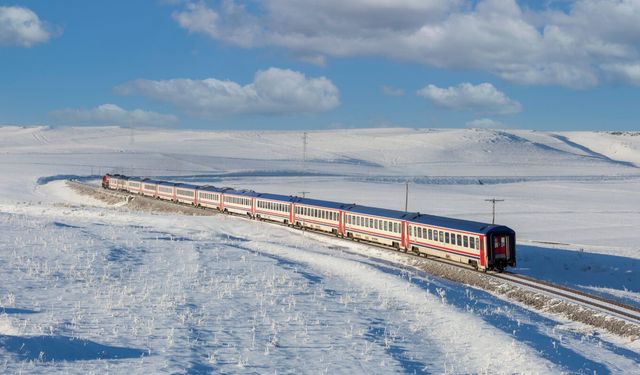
(500, 246)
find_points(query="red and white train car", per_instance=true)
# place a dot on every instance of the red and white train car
(484, 246)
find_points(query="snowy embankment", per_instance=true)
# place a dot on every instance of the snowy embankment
(94, 289)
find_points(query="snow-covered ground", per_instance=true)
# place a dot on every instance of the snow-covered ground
(87, 288)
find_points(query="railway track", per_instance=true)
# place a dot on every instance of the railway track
(620, 310)
(594, 303)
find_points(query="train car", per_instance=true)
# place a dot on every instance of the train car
(113, 181)
(483, 246)
(122, 183)
(210, 197)
(166, 190)
(186, 193)
(134, 185)
(239, 202)
(377, 225)
(150, 188)
(274, 207)
(318, 214)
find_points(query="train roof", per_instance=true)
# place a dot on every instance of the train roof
(188, 186)
(385, 212)
(212, 189)
(321, 203)
(276, 197)
(166, 183)
(147, 181)
(464, 225)
(246, 193)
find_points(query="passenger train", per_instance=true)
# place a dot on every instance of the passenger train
(481, 245)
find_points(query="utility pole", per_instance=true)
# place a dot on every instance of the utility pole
(304, 194)
(406, 196)
(304, 148)
(493, 220)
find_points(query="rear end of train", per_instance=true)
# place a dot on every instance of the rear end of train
(501, 248)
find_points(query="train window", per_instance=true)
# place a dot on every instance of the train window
(459, 240)
(395, 228)
(430, 234)
(441, 236)
(466, 241)
(370, 223)
(446, 237)
(472, 242)
(386, 225)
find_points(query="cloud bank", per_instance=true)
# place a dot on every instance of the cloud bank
(485, 123)
(590, 42)
(21, 27)
(482, 98)
(273, 92)
(111, 114)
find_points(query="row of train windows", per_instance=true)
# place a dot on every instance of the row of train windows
(445, 237)
(209, 196)
(167, 190)
(388, 226)
(134, 184)
(273, 206)
(235, 200)
(149, 187)
(185, 193)
(320, 214)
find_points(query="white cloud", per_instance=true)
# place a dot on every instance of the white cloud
(624, 72)
(21, 27)
(111, 114)
(231, 23)
(392, 91)
(483, 98)
(273, 92)
(485, 123)
(547, 47)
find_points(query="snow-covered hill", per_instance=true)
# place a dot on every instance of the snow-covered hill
(88, 288)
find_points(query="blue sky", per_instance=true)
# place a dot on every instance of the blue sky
(287, 64)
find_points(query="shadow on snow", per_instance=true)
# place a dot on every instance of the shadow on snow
(63, 348)
(581, 269)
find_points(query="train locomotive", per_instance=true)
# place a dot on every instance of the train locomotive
(480, 245)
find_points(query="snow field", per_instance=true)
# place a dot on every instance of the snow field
(92, 289)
